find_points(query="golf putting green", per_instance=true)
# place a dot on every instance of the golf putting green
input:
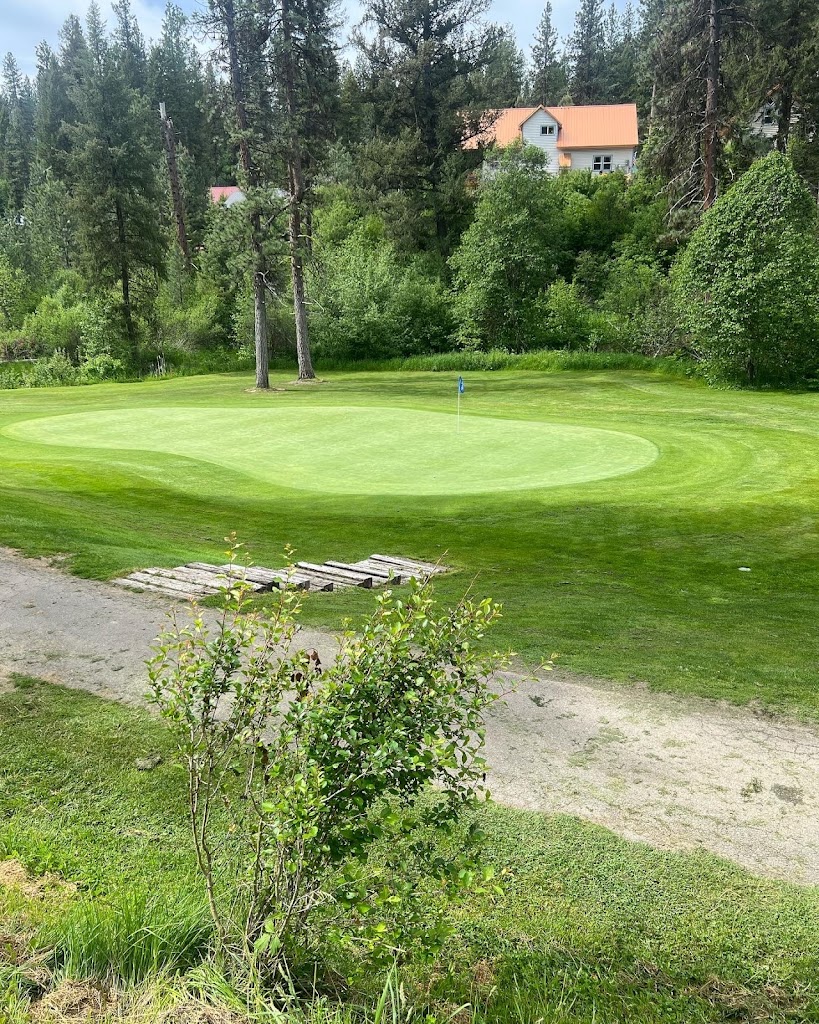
(359, 450)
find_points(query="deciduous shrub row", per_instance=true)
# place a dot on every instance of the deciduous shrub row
(572, 262)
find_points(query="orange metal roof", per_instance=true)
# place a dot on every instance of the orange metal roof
(220, 192)
(581, 127)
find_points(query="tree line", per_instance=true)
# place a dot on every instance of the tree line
(368, 230)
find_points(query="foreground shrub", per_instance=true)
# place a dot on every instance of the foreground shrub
(312, 769)
(748, 284)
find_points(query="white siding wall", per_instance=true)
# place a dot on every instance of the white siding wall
(532, 136)
(583, 159)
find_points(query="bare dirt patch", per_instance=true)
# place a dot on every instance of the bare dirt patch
(13, 875)
(73, 1001)
(678, 773)
(191, 1011)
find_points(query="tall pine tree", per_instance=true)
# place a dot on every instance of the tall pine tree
(113, 168)
(587, 54)
(549, 79)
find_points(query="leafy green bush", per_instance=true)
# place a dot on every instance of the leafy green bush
(191, 320)
(748, 284)
(367, 303)
(70, 320)
(314, 768)
(509, 255)
(566, 316)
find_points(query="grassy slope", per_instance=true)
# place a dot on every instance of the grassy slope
(589, 927)
(634, 577)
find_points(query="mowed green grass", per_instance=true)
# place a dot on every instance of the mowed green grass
(587, 927)
(628, 569)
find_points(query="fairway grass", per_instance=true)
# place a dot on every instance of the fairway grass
(629, 504)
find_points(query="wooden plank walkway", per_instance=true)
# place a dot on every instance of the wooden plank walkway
(196, 580)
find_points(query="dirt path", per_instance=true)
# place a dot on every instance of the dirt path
(678, 773)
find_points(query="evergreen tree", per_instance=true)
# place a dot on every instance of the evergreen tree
(782, 72)
(130, 46)
(113, 161)
(176, 78)
(502, 79)
(621, 55)
(549, 77)
(587, 54)
(17, 148)
(304, 64)
(420, 81)
(696, 50)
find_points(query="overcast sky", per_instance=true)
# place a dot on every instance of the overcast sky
(23, 23)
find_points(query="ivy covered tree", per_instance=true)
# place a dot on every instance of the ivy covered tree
(748, 283)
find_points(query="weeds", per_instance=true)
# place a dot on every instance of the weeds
(131, 938)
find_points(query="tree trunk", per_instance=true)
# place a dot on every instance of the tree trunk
(176, 188)
(260, 329)
(295, 177)
(783, 128)
(246, 162)
(711, 150)
(306, 371)
(125, 277)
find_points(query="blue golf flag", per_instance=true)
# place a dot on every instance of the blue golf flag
(461, 385)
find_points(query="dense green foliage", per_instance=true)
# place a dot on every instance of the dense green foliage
(748, 283)
(357, 748)
(411, 243)
(586, 926)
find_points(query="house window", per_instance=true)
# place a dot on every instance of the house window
(768, 114)
(547, 129)
(602, 164)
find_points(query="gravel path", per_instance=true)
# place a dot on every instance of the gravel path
(678, 773)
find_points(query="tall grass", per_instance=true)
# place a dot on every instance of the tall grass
(130, 938)
(546, 361)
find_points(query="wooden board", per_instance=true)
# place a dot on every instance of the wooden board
(214, 581)
(352, 577)
(409, 563)
(155, 588)
(319, 580)
(383, 572)
(379, 574)
(184, 586)
(272, 578)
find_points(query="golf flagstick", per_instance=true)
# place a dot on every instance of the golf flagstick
(461, 389)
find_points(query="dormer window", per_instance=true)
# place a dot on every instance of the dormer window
(547, 129)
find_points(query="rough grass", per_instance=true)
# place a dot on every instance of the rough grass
(588, 927)
(635, 577)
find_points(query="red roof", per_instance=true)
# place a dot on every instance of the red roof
(581, 127)
(220, 192)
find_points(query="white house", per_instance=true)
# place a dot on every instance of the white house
(765, 123)
(599, 138)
